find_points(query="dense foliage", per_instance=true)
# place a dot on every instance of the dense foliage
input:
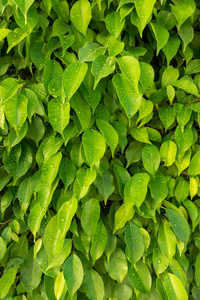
(99, 149)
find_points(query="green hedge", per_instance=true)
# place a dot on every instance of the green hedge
(99, 149)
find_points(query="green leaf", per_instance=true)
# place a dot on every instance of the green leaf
(67, 171)
(186, 84)
(16, 111)
(94, 146)
(166, 115)
(186, 33)
(18, 163)
(15, 37)
(65, 214)
(123, 214)
(161, 35)
(28, 22)
(3, 33)
(193, 67)
(2, 248)
(90, 51)
(117, 266)
(90, 216)
(73, 77)
(158, 187)
(171, 48)
(140, 134)
(52, 69)
(130, 67)
(160, 261)
(146, 76)
(181, 13)
(105, 185)
(122, 132)
(25, 194)
(174, 287)
(114, 46)
(58, 114)
(109, 133)
(122, 176)
(151, 159)
(179, 224)
(99, 241)
(136, 189)
(114, 24)
(50, 168)
(82, 110)
(9, 88)
(197, 270)
(194, 167)
(144, 9)
(59, 285)
(134, 242)
(140, 277)
(24, 6)
(53, 237)
(167, 240)
(129, 99)
(93, 285)
(73, 273)
(102, 66)
(30, 272)
(182, 190)
(80, 15)
(168, 152)
(169, 75)
(134, 152)
(6, 281)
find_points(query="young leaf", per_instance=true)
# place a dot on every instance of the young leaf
(171, 48)
(6, 281)
(114, 46)
(167, 240)
(114, 24)
(140, 134)
(136, 189)
(194, 167)
(73, 77)
(129, 99)
(161, 35)
(80, 15)
(182, 190)
(168, 152)
(82, 110)
(65, 215)
(102, 66)
(144, 9)
(130, 67)
(109, 133)
(186, 84)
(166, 115)
(58, 114)
(174, 287)
(123, 214)
(94, 146)
(16, 111)
(52, 69)
(90, 51)
(53, 237)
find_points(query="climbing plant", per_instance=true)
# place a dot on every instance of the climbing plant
(99, 149)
